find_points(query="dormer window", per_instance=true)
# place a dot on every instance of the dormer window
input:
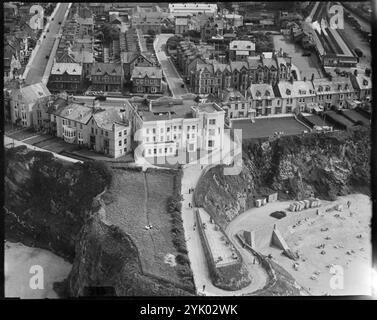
(98, 70)
(320, 88)
(365, 82)
(258, 94)
(288, 92)
(267, 93)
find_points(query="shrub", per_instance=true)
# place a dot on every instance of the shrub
(182, 259)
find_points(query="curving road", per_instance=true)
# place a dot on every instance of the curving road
(191, 175)
(39, 63)
(172, 76)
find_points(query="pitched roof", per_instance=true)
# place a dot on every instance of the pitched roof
(238, 65)
(241, 45)
(74, 111)
(297, 89)
(34, 92)
(261, 91)
(231, 94)
(73, 69)
(111, 69)
(150, 72)
(336, 85)
(106, 118)
(363, 82)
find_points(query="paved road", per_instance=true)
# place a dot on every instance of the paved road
(306, 65)
(40, 61)
(172, 76)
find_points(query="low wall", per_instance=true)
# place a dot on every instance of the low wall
(208, 253)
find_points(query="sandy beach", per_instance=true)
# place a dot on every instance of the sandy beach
(18, 259)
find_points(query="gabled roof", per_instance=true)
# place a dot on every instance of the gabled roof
(111, 69)
(297, 89)
(75, 112)
(73, 69)
(261, 91)
(336, 85)
(150, 72)
(363, 82)
(34, 92)
(238, 65)
(106, 118)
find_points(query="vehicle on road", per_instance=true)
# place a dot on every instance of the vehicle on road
(60, 22)
(278, 214)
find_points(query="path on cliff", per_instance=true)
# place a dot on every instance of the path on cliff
(191, 175)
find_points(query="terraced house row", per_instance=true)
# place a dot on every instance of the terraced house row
(263, 99)
(207, 76)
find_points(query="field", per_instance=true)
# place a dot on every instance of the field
(136, 200)
(263, 128)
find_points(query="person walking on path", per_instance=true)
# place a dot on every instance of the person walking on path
(204, 287)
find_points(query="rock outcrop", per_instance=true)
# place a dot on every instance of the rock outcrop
(55, 205)
(324, 165)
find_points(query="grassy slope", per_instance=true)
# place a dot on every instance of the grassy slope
(127, 209)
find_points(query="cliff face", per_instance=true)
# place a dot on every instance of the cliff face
(54, 205)
(326, 165)
(105, 256)
(47, 201)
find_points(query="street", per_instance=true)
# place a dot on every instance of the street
(40, 60)
(173, 78)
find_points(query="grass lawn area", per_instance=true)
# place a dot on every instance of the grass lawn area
(128, 208)
(263, 128)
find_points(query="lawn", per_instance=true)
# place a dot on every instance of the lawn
(128, 208)
(263, 128)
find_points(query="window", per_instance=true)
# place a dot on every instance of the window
(80, 126)
(162, 130)
(120, 143)
(125, 150)
(149, 151)
(125, 132)
(125, 141)
(212, 121)
(92, 130)
(168, 129)
(120, 133)
(147, 131)
(211, 143)
(188, 128)
(102, 132)
(155, 151)
(188, 136)
(106, 134)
